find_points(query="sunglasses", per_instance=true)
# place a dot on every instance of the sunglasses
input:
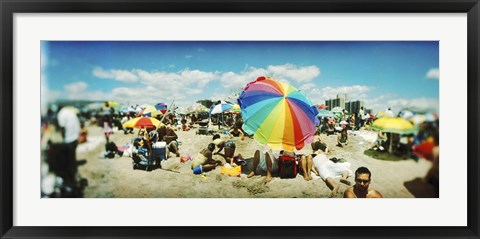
(362, 180)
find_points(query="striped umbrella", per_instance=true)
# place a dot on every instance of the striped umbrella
(277, 114)
(142, 122)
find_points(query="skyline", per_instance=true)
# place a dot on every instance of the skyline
(381, 73)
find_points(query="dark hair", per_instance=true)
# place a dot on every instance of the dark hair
(363, 170)
(211, 146)
(217, 136)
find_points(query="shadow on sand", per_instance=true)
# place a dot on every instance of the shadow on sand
(382, 155)
(420, 189)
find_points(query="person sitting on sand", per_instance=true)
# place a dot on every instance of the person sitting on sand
(184, 125)
(318, 143)
(361, 188)
(168, 135)
(328, 170)
(380, 142)
(229, 147)
(204, 159)
(306, 163)
(264, 163)
(235, 132)
(342, 138)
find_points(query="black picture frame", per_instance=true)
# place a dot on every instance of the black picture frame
(9, 7)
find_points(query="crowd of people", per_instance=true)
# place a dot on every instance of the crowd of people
(319, 162)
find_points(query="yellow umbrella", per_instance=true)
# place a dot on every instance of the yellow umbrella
(114, 104)
(394, 125)
(142, 122)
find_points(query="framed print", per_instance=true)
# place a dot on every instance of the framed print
(239, 119)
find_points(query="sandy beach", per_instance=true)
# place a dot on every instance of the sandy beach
(116, 178)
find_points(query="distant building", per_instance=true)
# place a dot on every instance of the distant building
(342, 102)
(354, 106)
(338, 102)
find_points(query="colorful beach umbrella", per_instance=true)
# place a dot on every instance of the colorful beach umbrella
(277, 114)
(151, 111)
(394, 125)
(142, 122)
(162, 107)
(220, 108)
(322, 107)
(325, 113)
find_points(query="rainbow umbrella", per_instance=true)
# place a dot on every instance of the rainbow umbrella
(142, 122)
(277, 114)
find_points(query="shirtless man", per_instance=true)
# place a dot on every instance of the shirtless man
(361, 188)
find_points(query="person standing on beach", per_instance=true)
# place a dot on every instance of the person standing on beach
(362, 189)
(69, 126)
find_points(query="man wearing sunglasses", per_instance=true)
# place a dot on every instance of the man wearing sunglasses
(361, 188)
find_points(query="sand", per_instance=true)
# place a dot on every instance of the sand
(116, 178)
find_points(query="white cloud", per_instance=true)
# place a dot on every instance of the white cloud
(293, 72)
(283, 73)
(355, 92)
(120, 75)
(188, 56)
(161, 86)
(76, 87)
(433, 73)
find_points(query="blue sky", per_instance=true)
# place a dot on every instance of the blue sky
(382, 74)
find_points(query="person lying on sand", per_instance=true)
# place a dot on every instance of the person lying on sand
(328, 170)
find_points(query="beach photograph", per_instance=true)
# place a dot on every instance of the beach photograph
(239, 119)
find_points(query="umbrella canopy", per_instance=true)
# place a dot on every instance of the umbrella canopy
(322, 107)
(220, 108)
(151, 111)
(162, 107)
(142, 122)
(235, 109)
(337, 110)
(114, 104)
(277, 114)
(394, 125)
(325, 113)
(381, 114)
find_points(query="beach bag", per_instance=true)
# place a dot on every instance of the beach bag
(287, 167)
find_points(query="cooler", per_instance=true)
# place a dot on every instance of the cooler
(159, 151)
